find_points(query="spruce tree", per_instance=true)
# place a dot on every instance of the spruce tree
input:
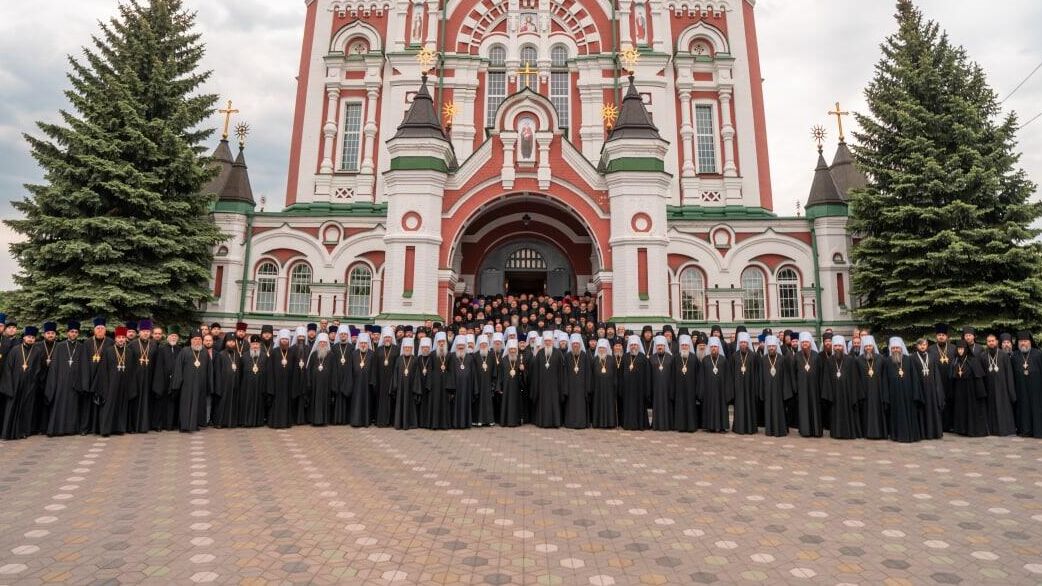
(120, 226)
(943, 229)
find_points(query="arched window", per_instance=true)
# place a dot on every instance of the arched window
(359, 291)
(692, 295)
(789, 292)
(559, 83)
(528, 60)
(267, 275)
(753, 306)
(496, 86)
(525, 259)
(300, 290)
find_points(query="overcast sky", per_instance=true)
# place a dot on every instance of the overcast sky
(813, 53)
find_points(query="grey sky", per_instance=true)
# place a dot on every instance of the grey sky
(813, 53)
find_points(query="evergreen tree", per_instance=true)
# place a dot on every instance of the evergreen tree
(943, 229)
(120, 226)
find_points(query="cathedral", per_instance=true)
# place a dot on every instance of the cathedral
(486, 147)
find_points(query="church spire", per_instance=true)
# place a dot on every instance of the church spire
(823, 189)
(845, 172)
(634, 120)
(421, 121)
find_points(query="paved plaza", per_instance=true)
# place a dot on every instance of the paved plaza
(517, 506)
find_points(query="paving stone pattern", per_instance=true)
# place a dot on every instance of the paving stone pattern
(517, 506)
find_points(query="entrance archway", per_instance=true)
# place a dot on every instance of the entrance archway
(525, 266)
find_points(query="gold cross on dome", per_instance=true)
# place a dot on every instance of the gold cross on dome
(427, 57)
(839, 114)
(228, 111)
(629, 58)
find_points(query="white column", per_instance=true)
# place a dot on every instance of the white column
(329, 130)
(543, 173)
(432, 24)
(369, 130)
(727, 132)
(674, 296)
(660, 24)
(281, 293)
(507, 172)
(687, 133)
(376, 293)
(623, 14)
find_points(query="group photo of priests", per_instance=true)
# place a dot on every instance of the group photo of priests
(510, 361)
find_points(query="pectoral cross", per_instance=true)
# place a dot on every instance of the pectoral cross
(526, 73)
(228, 111)
(839, 114)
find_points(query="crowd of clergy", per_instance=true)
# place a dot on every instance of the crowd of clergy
(138, 377)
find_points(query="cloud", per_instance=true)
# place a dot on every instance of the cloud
(812, 52)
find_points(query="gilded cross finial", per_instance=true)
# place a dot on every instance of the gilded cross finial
(242, 129)
(629, 59)
(449, 112)
(609, 114)
(818, 133)
(227, 111)
(427, 57)
(839, 114)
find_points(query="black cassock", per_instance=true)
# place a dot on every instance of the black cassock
(42, 407)
(775, 390)
(745, 384)
(282, 389)
(969, 397)
(363, 379)
(437, 389)
(873, 378)
(301, 351)
(62, 388)
(686, 416)
(604, 394)
(1027, 378)
(460, 384)
(945, 356)
(384, 404)
(903, 396)
(407, 392)
(322, 387)
(344, 368)
(547, 378)
(805, 373)
(192, 382)
(143, 354)
(714, 392)
(998, 380)
(226, 388)
(165, 403)
(93, 348)
(635, 391)
(113, 388)
(510, 386)
(841, 388)
(660, 367)
(253, 388)
(20, 383)
(928, 373)
(576, 391)
(485, 377)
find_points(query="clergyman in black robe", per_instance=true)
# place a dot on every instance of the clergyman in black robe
(143, 353)
(903, 394)
(342, 364)
(192, 381)
(62, 388)
(873, 378)
(806, 376)
(406, 387)
(686, 371)
(510, 385)
(114, 385)
(745, 381)
(546, 374)
(998, 381)
(635, 383)
(386, 357)
(661, 391)
(20, 382)
(604, 391)
(714, 388)
(776, 387)
(944, 353)
(486, 374)
(929, 376)
(840, 387)
(166, 401)
(969, 396)
(437, 385)
(93, 349)
(226, 384)
(254, 367)
(576, 388)
(1027, 379)
(321, 386)
(281, 390)
(363, 378)
(460, 383)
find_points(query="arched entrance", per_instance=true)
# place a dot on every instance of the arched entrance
(525, 266)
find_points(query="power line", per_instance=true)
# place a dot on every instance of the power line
(1032, 119)
(1022, 82)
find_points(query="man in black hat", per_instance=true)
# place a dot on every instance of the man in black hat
(165, 404)
(192, 381)
(1027, 378)
(267, 337)
(647, 336)
(969, 335)
(62, 384)
(142, 352)
(998, 381)
(93, 350)
(19, 383)
(114, 385)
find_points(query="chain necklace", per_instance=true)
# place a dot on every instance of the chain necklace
(25, 358)
(575, 361)
(773, 362)
(49, 349)
(144, 351)
(714, 359)
(121, 358)
(408, 360)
